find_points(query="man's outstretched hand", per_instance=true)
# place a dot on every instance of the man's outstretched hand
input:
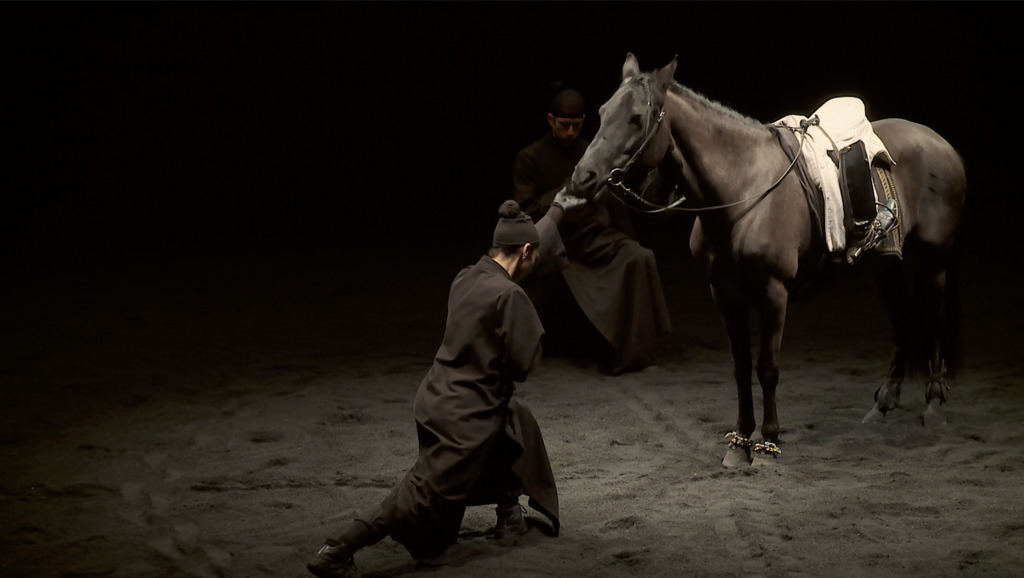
(567, 201)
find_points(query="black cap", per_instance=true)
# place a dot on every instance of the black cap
(568, 104)
(514, 227)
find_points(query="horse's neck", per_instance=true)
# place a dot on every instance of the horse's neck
(721, 152)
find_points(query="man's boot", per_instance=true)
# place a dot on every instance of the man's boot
(511, 520)
(333, 560)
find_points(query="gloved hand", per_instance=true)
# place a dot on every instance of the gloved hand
(567, 201)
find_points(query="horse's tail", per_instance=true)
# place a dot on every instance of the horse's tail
(953, 335)
(931, 260)
(952, 328)
(926, 332)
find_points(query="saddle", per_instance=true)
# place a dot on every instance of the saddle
(851, 169)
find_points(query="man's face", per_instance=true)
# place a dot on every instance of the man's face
(565, 130)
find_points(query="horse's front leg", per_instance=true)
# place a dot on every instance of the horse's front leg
(773, 321)
(735, 315)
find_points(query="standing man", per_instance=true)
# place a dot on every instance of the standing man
(608, 298)
(477, 444)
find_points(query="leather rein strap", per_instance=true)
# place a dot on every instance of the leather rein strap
(617, 175)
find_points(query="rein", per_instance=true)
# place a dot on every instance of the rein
(617, 175)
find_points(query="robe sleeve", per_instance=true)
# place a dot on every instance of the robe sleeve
(552, 249)
(521, 331)
(524, 184)
(528, 185)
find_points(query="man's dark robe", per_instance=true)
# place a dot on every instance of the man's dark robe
(613, 279)
(477, 444)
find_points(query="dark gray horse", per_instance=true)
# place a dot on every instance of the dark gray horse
(756, 234)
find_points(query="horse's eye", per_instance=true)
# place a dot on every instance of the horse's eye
(637, 120)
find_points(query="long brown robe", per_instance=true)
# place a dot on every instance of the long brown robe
(477, 445)
(613, 279)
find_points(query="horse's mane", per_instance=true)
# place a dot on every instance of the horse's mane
(712, 105)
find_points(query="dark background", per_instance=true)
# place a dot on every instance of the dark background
(211, 211)
(389, 124)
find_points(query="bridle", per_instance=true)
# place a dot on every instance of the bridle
(617, 176)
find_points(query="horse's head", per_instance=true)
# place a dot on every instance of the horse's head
(630, 141)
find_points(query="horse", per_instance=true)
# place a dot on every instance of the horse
(757, 239)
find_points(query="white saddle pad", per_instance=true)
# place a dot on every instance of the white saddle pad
(842, 122)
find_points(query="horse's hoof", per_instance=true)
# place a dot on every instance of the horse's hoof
(933, 414)
(875, 415)
(737, 458)
(765, 463)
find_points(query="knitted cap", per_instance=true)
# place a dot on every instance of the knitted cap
(514, 227)
(568, 104)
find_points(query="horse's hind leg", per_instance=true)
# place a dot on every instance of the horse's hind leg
(891, 285)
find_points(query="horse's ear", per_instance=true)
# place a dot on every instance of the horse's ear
(667, 73)
(630, 68)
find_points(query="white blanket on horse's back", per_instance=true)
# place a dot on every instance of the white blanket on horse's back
(842, 122)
